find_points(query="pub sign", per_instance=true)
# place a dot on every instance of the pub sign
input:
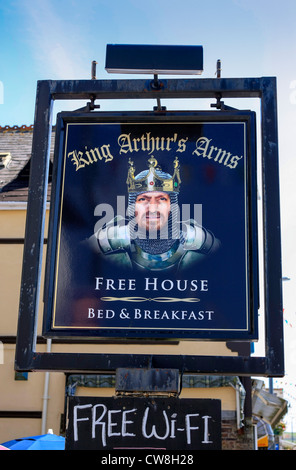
(153, 227)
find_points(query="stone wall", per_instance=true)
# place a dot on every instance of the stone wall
(237, 439)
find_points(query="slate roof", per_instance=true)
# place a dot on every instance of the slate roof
(14, 179)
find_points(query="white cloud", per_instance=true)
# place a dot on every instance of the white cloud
(55, 42)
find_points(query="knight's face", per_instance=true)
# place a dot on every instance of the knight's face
(152, 210)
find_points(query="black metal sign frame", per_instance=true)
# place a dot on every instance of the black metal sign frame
(27, 358)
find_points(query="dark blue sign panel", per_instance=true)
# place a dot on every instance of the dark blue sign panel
(153, 228)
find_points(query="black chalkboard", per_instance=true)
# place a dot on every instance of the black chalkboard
(109, 423)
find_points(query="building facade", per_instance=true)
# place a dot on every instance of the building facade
(33, 402)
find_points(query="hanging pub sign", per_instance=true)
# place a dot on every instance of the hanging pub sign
(153, 227)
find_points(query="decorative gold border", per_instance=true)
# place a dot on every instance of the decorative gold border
(192, 122)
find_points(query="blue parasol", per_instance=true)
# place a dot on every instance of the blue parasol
(42, 442)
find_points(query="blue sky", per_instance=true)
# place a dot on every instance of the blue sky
(50, 39)
(58, 39)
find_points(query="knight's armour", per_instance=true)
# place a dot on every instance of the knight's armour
(114, 241)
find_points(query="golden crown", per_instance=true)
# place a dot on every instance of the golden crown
(153, 180)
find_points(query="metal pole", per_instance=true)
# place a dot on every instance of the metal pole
(45, 394)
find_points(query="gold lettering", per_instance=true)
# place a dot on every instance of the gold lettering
(202, 145)
(136, 144)
(90, 156)
(78, 160)
(148, 143)
(234, 161)
(221, 156)
(182, 145)
(124, 141)
(169, 140)
(150, 140)
(220, 160)
(105, 149)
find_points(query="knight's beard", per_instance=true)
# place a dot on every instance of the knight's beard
(153, 222)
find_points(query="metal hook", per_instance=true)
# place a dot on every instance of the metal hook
(93, 70)
(218, 68)
(220, 104)
(157, 85)
(92, 104)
